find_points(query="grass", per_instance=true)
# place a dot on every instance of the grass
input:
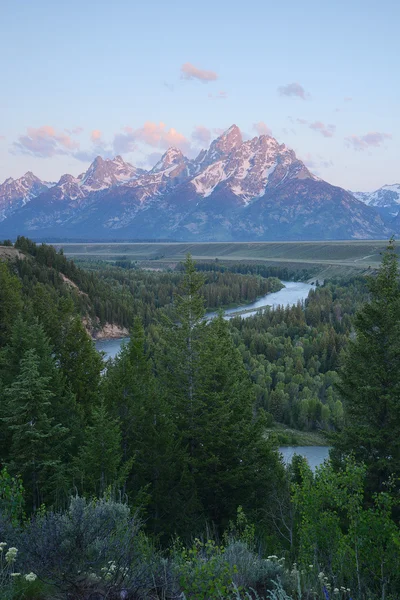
(295, 437)
(331, 258)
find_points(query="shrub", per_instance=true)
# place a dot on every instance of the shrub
(93, 547)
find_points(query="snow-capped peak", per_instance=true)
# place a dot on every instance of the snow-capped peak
(104, 173)
(171, 158)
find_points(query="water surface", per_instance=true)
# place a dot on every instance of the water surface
(315, 455)
(293, 292)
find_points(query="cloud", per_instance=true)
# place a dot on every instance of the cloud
(189, 71)
(44, 142)
(125, 142)
(316, 163)
(95, 136)
(262, 128)
(153, 134)
(220, 96)
(2, 137)
(347, 98)
(74, 131)
(293, 89)
(325, 130)
(372, 139)
(169, 86)
(201, 134)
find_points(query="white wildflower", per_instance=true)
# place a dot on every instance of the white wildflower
(15, 574)
(336, 591)
(11, 554)
(31, 577)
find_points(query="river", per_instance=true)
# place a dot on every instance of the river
(290, 294)
(315, 455)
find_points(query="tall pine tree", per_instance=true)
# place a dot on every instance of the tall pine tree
(37, 441)
(370, 380)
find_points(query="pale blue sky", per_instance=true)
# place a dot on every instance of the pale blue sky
(71, 68)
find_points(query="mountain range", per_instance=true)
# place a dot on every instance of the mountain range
(236, 190)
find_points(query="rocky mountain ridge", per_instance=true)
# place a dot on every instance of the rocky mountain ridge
(236, 190)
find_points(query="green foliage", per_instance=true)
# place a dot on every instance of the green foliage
(202, 571)
(10, 301)
(34, 451)
(11, 497)
(99, 462)
(370, 380)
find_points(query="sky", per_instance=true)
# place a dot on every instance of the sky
(86, 78)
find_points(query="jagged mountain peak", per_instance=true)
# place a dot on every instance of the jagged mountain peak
(229, 140)
(236, 190)
(171, 158)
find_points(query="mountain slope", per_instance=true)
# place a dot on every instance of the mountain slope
(386, 200)
(235, 190)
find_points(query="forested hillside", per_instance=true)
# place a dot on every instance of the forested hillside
(153, 476)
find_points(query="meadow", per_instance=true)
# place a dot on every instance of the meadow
(329, 258)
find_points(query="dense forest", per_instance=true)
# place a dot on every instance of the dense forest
(153, 476)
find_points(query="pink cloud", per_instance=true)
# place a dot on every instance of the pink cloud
(153, 134)
(44, 142)
(189, 71)
(95, 136)
(262, 128)
(293, 89)
(201, 134)
(302, 121)
(325, 130)
(372, 139)
(2, 137)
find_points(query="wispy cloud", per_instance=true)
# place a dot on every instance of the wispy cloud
(44, 142)
(373, 139)
(262, 128)
(189, 71)
(201, 134)
(219, 96)
(74, 131)
(348, 99)
(316, 163)
(325, 130)
(293, 89)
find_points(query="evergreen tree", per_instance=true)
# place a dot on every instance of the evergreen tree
(234, 464)
(148, 433)
(36, 443)
(10, 302)
(99, 462)
(370, 380)
(81, 364)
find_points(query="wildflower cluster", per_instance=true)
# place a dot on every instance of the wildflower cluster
(330, 591)
(7, 562)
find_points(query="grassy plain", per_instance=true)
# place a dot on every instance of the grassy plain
(328, 258)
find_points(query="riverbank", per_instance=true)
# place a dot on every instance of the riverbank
(295, 437)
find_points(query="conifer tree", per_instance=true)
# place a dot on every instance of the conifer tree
(36, 442)
(234, 464)
(370, 380)
(148, 432)
(10, 302)
(81, 365)
(99, 462)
